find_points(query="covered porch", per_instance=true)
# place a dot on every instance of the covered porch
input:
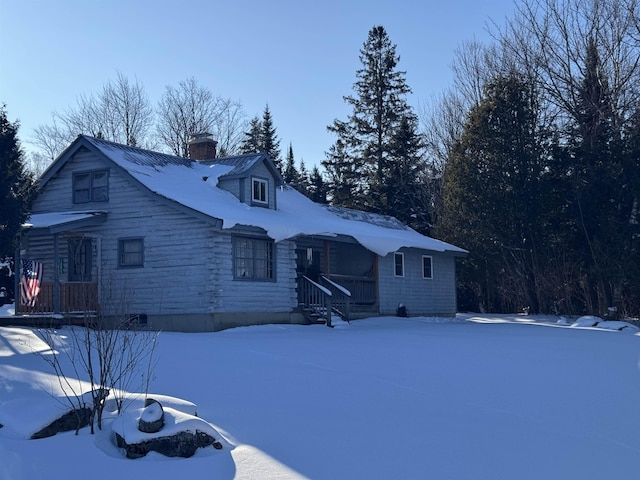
(338, 268)
(70, 257)
(70, 298)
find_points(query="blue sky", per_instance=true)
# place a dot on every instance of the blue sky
(299, 57)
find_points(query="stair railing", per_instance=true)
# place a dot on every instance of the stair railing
(315, 297)
(341, 297)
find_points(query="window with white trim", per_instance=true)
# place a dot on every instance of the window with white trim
(130, 252)
(253, 259)
(398, 260)
(259, 189)
(427, 266)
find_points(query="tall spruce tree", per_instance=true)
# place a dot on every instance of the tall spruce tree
(345, 181)
(252, 142)
(269, 138)
(303, 179)
(406, 184)
(290, 174)
(317, 190)
(16, 185)
(364, 144)
(262, 137)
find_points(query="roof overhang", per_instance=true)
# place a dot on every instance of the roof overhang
(57, 222)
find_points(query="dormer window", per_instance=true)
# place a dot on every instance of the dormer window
(260, 189)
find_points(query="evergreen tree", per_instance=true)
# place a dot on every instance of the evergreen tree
(269, 139)
(601, 198)
(491, 193)
(262, 137)
(16, 185)
(317, 189)
(345, 178)
(363, 148)
(405, 185)
(631, 174)
(252, 142)
(303, 179)
(290, 174)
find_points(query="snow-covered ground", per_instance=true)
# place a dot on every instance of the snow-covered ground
(476, 397)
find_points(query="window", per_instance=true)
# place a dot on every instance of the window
(91, 187)
(427, 267)
(253, 259)
(399, 264)
(131, 252)
(80, 259)
(259, 194)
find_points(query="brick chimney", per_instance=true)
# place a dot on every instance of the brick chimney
(202, 146)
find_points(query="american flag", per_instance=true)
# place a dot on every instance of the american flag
(30, 282)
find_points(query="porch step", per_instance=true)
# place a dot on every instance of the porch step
(312, 317)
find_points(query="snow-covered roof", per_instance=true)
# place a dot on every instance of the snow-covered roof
(195, 185)
(61, 220)
(242, 164)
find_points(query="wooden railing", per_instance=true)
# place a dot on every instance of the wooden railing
(362, 289)
(341, 297)
(315, 297)
(74, 297)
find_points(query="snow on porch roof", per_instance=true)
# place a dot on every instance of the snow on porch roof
(195, 185)
(59, 221)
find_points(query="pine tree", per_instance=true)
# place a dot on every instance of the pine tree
(317, 188)
(345, 179)
(16, 185)
(252, 142)
(269, 139)
(290, 174)
(302, 184)
(405, 186)
(379, 106)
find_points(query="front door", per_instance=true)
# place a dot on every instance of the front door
(80, 259)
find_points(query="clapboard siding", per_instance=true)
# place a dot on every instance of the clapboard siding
(187, 279)
(41, 250)
(232, 186)
(188, 265)
(435, 296)
(260, 171)
(256, 296)
(58, 194)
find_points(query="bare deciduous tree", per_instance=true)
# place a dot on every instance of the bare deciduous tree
(551, 37)
(37, 163)
(230, 129)
(191, 108)
(52, 139)
(121, 112)
(129, 113)
(110, 352)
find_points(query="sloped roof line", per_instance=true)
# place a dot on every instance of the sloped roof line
(194, 186)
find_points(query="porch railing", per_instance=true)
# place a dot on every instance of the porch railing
(315, 297)
(362, 289)
(74, 298)
(341, 297)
